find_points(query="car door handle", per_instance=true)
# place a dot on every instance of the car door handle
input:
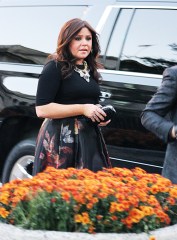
(105, 95)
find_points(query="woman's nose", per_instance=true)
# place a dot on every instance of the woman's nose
(84, 42)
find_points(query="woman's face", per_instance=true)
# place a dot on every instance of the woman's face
(81, 45)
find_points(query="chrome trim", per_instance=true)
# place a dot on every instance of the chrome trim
(136, 74)
(145, 7)
(36, 69)
(125, 160)
(133, 80)
(18, 67)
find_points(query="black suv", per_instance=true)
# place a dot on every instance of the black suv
(137, 41)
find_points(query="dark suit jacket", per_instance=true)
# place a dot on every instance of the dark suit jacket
(154, 118)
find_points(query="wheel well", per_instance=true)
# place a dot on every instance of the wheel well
(15, 129)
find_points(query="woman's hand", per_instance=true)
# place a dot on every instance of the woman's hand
(94, 112)
(103, 124)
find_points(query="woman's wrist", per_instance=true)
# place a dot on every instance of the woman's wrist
(83, 107)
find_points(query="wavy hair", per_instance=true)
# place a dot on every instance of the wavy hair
(63, 55)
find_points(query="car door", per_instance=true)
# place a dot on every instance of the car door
(136, 49)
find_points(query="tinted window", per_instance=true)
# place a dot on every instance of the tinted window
(29, 34)
(151, 43)
(117, 37)
(20, 85)
(106, 33)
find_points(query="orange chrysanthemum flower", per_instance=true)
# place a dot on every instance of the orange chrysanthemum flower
(3, 212)
(109, 199)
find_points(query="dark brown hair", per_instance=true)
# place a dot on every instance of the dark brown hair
(69, 30)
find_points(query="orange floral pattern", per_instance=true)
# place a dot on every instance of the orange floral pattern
(112, 200)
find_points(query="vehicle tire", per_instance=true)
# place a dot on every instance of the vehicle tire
(19, 162)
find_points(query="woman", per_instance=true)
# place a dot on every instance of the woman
(67, 97)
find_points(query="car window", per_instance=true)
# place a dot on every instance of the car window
(20, 85)
(106, 33)
(34, 32)
(151, 43)
(117, 37)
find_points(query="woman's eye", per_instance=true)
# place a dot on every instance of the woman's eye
(88, 38)
(77, 38)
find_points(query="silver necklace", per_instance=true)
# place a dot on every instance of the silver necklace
(84, 73)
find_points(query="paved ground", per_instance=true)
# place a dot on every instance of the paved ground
(9, 232)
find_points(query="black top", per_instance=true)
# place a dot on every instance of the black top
(72, 90)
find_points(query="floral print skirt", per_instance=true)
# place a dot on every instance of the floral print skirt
(70, 142)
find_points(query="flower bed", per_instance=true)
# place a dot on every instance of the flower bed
(116, 200)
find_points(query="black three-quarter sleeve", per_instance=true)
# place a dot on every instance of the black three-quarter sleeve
(49, 83)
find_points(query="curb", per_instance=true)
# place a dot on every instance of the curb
(10, 232)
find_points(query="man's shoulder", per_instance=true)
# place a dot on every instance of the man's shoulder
(171, 70)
